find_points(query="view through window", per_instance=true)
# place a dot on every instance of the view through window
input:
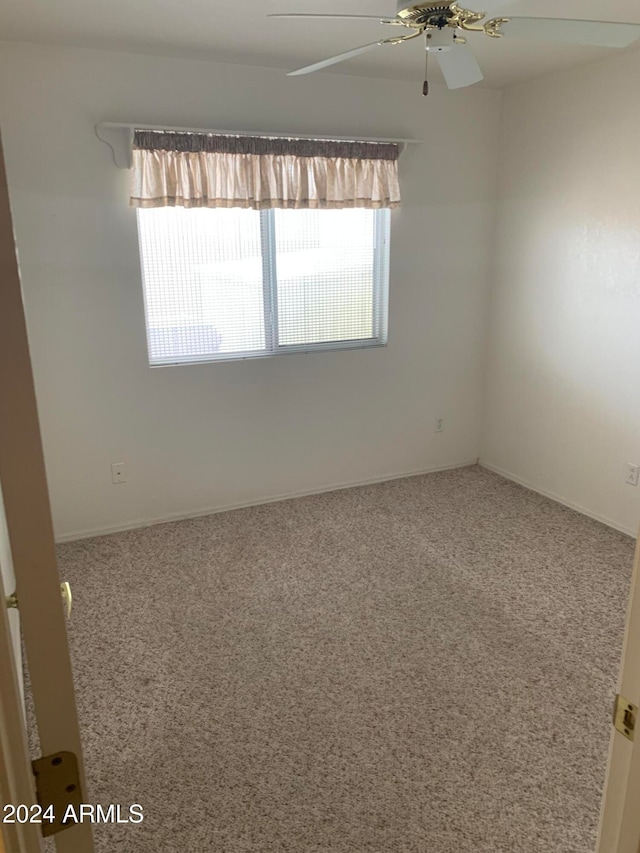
(232, 283)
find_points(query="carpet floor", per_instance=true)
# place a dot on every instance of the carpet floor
(421, 666)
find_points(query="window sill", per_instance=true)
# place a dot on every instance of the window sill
(304, 350)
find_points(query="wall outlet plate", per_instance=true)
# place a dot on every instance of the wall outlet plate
(439, 425)
(633, 476)
(118, 474)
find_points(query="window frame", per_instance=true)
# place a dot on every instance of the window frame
(380, 297)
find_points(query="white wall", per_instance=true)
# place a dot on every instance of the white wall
(209, 436)
(563, 381)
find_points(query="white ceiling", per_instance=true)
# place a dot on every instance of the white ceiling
(240, 32)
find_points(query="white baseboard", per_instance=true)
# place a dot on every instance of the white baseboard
(557, 498)
(213, 510)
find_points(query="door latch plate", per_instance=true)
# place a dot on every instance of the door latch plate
(625, 716)
(57, 786)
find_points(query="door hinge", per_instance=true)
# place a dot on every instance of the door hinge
(625, 714)
(57, 788)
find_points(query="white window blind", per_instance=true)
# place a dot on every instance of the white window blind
(232, 283)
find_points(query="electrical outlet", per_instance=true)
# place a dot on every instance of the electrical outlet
(439, 425)
(118, 474)
(633, 476)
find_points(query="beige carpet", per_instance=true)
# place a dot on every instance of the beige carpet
(425, 666)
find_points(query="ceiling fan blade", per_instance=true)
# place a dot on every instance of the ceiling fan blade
(305, 15)
(459, 67)
(599, 33)
(334, 60)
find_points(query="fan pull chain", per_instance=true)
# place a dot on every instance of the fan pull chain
(425, 85)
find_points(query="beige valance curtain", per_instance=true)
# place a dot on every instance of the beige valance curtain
(176, 169)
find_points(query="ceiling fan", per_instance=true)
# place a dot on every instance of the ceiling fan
(445, 25)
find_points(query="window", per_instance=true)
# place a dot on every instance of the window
(223, 284)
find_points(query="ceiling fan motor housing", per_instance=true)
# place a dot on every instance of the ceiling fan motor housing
(436, 14)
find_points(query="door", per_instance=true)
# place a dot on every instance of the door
(620, 816)
(28, 555)
(16, 779)
(9, 583)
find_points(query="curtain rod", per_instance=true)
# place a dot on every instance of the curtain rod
(119, 136)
